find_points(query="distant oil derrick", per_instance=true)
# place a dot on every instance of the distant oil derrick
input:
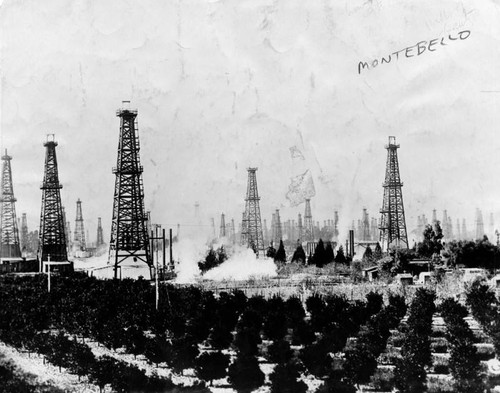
(300, 228)
(52, 229)
(278, 235)
(465, 234)
(9, 233)
(365, 226)
(129, 235)
(308, 223)
(79, 239)
(393, 225)
(252, 226)
(100, 236)
(233, 232)
(479, 225)
(222, 230)
(459, 232)
(25, 247)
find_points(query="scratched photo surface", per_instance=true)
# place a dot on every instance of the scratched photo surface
(308, 92)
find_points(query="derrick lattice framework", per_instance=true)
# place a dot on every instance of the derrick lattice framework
(52, 231)
(308, 223)
(24, 233)
(129, 236)
(393, 226)
(100, 236)
(222, 231)
(252, 225)
(9, 233)
(79, 238)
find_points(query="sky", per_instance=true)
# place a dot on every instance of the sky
(221, 86)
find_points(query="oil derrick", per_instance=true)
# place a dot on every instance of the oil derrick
(222, 231)
(374, 229)
(420, 227)
(254, 239)
(265, 232)
(273, 228)
(465, 235)
(233, 232)
(393, 225)
(434, 217)
(129, 236)
(79, 238)
(459, 234)
(244, 230)
(69, 243)
(336, 225)
(278, 233)
(52, 226)
(365, 226)
(24, 235)
(479, 225)
(444, 226)
(308, 223)
(300, 228)
(100, 236)
(9, 233)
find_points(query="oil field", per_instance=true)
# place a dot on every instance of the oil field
(237, 223)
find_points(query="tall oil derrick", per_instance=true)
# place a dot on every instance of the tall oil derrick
(365, 226)
(254, 238)
(450, 229)
(273, 228)
(278, 233)
(393, 225)
(233, 232)
(459, 233)
(300, 228)
(9, 233)
(308, 223)
(222, 230)
(100, 236)
(69, 242)
(79, 238)
(479, 225)
(129, 235)
(265, 232)
(465, 235)
(24, 234)
(444, 225)
(336, 225)
(434, 217)
(373, 229)
(212, 225)
(244, 230)
(52, 226)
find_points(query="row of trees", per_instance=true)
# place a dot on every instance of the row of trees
(464, 361)
(118, 314)
(410, 373)
(78, 359)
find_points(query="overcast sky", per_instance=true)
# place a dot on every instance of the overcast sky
(223, 85)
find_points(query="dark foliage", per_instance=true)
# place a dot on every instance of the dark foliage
(299, 255)
(285, 379)
(244, 374)
(212, 365)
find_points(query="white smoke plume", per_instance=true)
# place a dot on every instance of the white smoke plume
(242, 265)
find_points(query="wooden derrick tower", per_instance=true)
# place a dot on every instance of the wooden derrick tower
(9, 232)
(52, 226)
(129, 236)
(393, 226)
